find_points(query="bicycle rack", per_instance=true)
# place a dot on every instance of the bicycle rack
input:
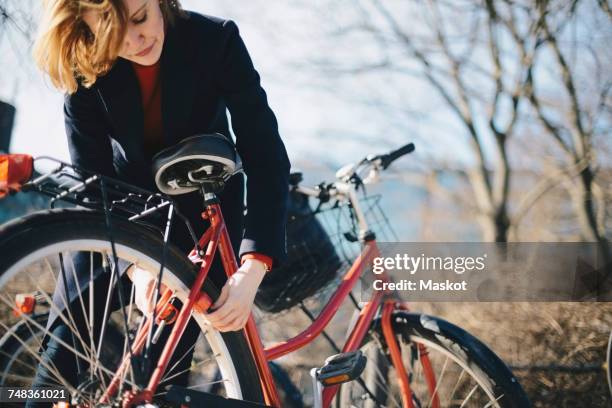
(77, 186)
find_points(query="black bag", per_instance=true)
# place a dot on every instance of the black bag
(312, 261)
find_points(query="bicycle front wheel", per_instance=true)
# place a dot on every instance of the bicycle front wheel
(609, 363)
(37, 252)
(447, 367)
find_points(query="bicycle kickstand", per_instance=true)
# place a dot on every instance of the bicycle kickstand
(317, 389)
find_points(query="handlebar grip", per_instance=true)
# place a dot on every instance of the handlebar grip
(389, 158)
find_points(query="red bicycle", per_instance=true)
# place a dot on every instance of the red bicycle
(391, 357)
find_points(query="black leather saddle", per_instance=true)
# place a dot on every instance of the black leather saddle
(206, 160)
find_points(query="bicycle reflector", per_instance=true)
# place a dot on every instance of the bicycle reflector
(24, 303)
(15, 170)
(341, 368)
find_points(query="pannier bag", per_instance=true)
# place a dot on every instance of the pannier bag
(312, 261)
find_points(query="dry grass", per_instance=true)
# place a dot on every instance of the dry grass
(539, 340)
(572, 335)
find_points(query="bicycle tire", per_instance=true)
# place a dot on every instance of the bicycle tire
(21, 238)
(609, 364)
(456, 343)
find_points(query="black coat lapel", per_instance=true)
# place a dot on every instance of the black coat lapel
(178, 83)
(120, 93)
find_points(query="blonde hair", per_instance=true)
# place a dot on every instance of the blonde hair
(70, 53)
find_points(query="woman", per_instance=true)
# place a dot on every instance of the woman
(141, 75)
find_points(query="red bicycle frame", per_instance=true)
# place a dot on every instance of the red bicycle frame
(217, 237)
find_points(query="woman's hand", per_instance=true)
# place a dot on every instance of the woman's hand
(143, 288)
(237, 296)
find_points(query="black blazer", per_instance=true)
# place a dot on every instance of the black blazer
(205, 68)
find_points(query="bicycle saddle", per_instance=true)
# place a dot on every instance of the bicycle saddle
(203, 160)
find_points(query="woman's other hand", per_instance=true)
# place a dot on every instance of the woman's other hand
(144, 284)
(233, 307)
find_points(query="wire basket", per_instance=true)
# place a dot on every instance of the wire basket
(319, 254)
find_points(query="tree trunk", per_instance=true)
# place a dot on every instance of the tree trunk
(585, 207)
(495, 227)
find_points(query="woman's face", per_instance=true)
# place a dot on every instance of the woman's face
(144, 38)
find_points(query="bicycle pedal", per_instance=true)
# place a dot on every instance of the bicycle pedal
(341, 368)
(192, 398)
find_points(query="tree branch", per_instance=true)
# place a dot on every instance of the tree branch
(580, 136)
(544, 185)
(461, 107)
(605, 6)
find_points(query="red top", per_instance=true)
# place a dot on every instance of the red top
(150, 91)
(149, 79)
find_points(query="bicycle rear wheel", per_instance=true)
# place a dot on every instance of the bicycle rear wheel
(38, 248)
(466, 372)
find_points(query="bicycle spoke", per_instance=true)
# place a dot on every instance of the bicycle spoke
(493, 402)
(208, 383)
(450, 397)
(28, 379)
(53, 336)
(469, 396)
(88, 319)
(78, 286)
(60, 341)
(388, 393)
(70, 324)
(438, 381)
(39, 344)
(379, 379)
(419, 370)
(34, 336)
(382, 381)
(65, 289)
(40, 360)
(106, 309)
(197, 386)
(91, 305)
(16, 361)
(125, 340)
(199, 364)
(168, 372)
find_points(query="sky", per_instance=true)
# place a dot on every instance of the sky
(313, 121)
(320, 116)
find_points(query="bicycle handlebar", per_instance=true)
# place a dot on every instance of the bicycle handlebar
(387, 159)
(326, 190)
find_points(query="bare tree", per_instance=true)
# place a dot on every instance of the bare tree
(17, 27)
(502, 69)
(572, 122)
(16, 33)
(447, 64)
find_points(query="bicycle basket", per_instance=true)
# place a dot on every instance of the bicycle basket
(321, 244)
(311, 260)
